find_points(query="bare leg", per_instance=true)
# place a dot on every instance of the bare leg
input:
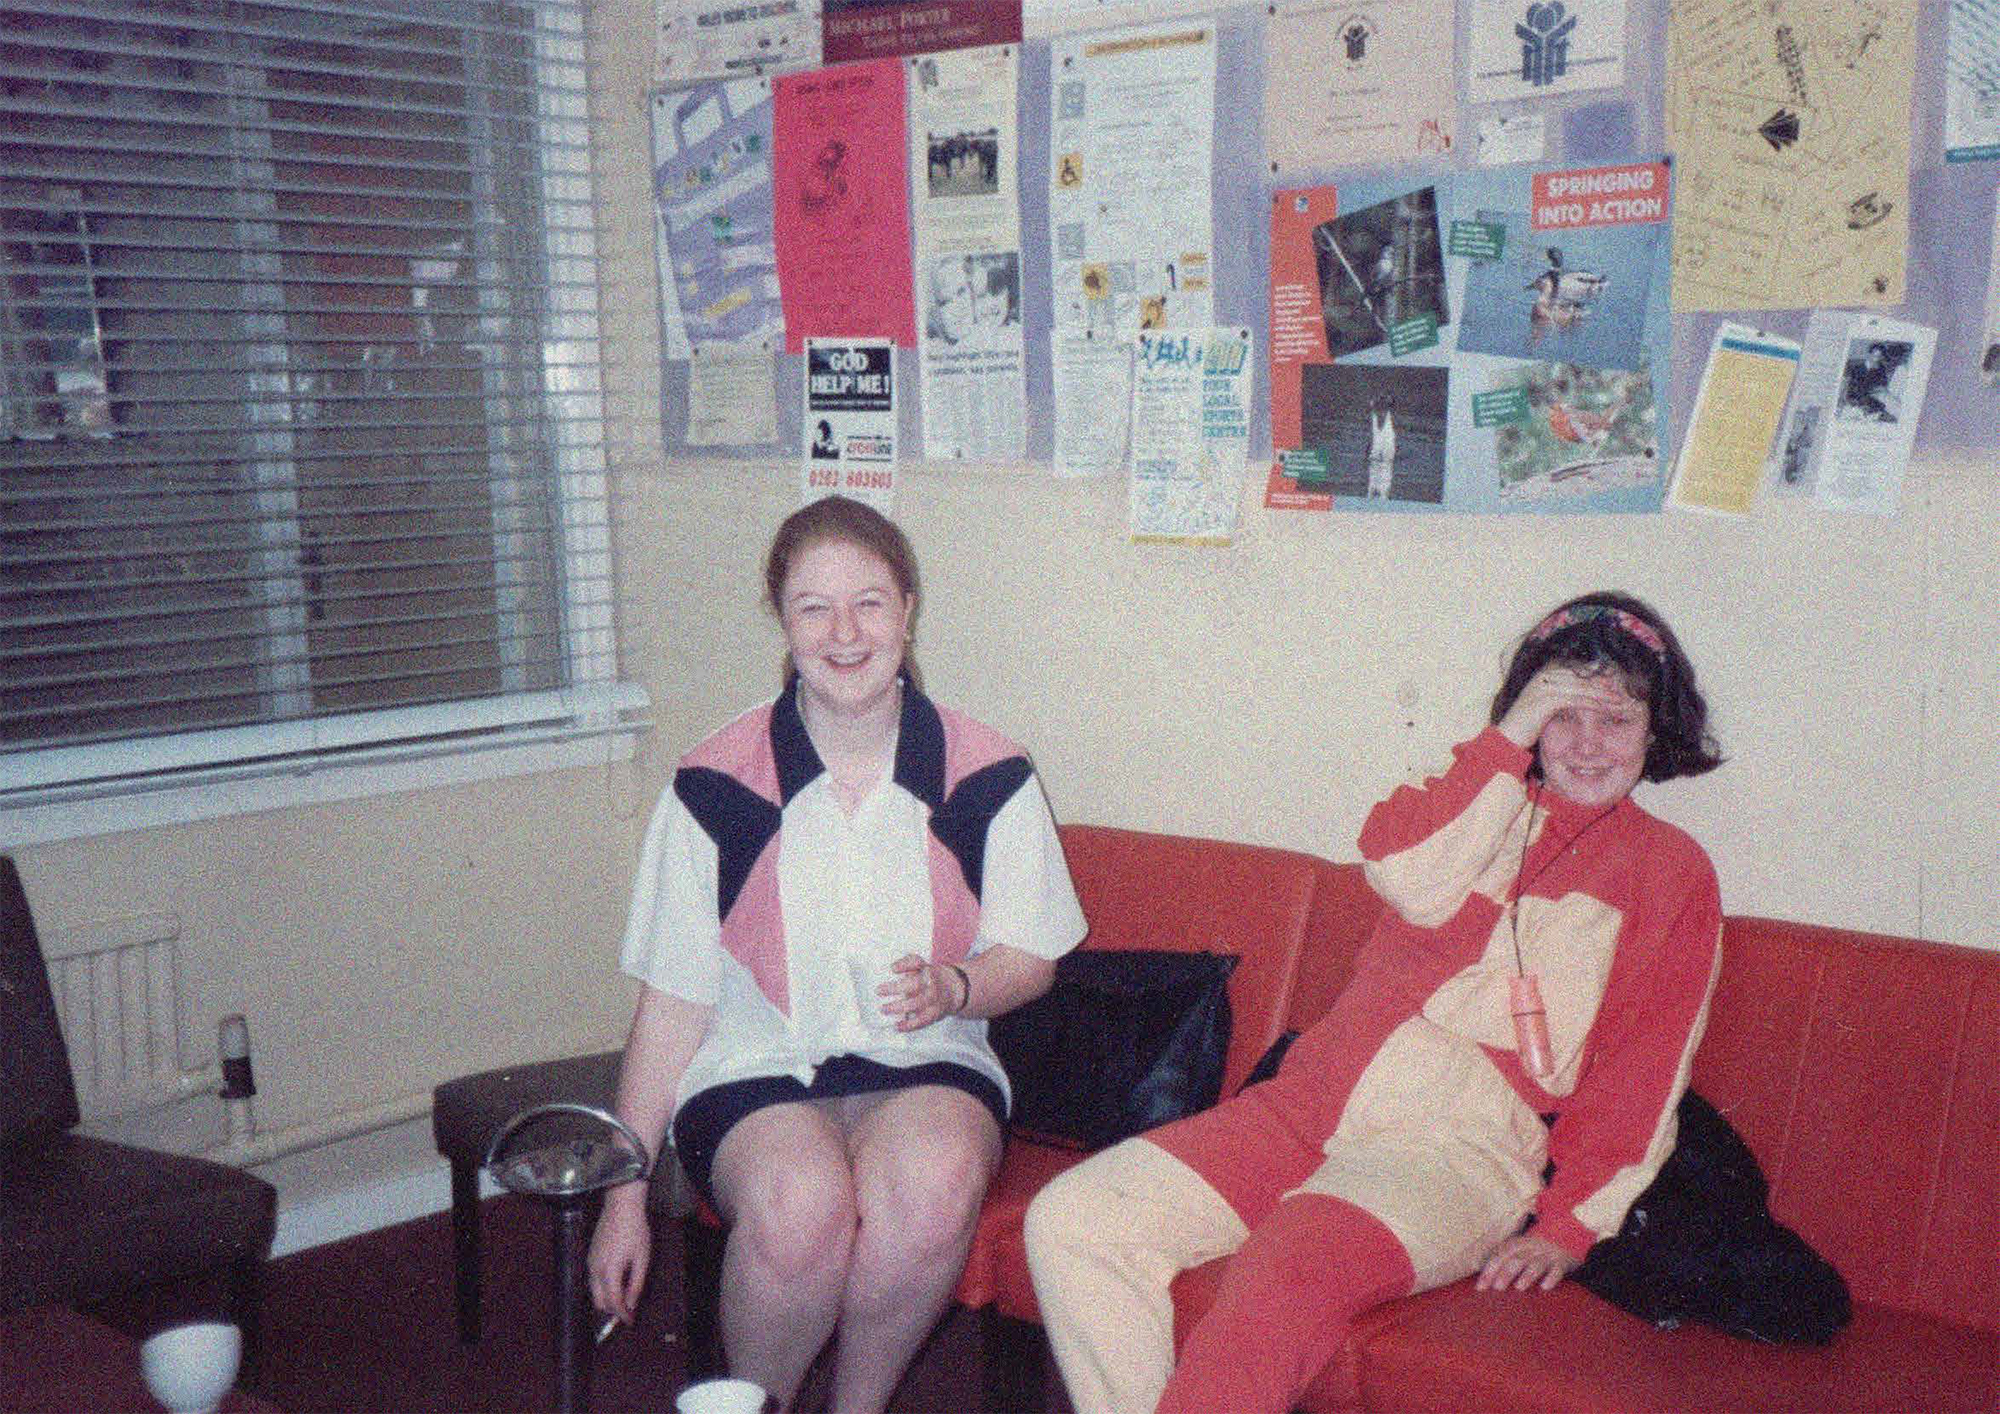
(783, 1182)
(922, 1160)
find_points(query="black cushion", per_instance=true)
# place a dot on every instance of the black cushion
(1700, 1245)
(1124, 1040)
(82, 1219)
(37, 1094)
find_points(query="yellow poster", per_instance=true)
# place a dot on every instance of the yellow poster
(1736, 412)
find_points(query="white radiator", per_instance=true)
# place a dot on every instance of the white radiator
(118, 996)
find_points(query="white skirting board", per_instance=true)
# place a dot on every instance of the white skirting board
(377, 1203)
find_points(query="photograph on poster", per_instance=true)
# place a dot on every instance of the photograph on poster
(1378, 267)
(1870, 387)
(965, 163)
(1587, 430)
(1380, 427)
(1573, 296)
(974, 300)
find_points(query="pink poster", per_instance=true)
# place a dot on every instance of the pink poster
(843, 204)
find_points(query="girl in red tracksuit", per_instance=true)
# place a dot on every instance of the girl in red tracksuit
(1529, 1003)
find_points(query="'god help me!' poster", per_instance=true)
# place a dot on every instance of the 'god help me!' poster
(1489, 341)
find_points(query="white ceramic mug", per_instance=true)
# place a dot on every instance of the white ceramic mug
(189, 1368)
(721, 1397)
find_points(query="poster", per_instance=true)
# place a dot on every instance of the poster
(1487, 340)
(1131, 132)
(1736, 410)
(1190, 434)
(1791, 119)
(964, 164)
(850, 421)
(734, 40)
(1529, 50)
(712, 194)
(1350, 85)
(1972, 82)
(1854, 410)
(842, 206)
(1093, 402)
(876, 29)
(732, 398)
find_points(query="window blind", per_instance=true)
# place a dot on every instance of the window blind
(302, 423)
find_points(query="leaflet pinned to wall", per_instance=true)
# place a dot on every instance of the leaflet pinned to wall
(1972, 82)
(842, 203)
(712, 192)
(709, 41)
(1131, 130)
(1190, 434)
(850, 420)
(1553, 46)
(1792, 124)
(1854, 411)
(1348, 85)
(1736, 410)
(1492, 340)
(964, 160)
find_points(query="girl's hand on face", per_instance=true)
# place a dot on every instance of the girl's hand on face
(1554, 689)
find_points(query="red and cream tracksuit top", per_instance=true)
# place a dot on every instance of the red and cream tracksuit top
(1620, 919)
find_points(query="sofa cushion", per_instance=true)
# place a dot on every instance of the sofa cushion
(1457, 1348)
(996, 1269)
(1124, 1041)
(82, 1219)
(1868, 1067)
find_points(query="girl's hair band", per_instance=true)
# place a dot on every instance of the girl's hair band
(1575, 614)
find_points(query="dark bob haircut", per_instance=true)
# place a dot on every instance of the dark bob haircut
(1609, 632)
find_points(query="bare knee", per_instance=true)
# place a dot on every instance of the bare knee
(796, 1220)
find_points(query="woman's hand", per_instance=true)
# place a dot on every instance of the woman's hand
(1523, 1262)
(1557, 688)
(928, 992)
(620, 1251)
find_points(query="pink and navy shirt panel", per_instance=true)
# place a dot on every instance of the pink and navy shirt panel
(736, 787)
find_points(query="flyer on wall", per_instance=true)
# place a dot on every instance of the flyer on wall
(1555, 46)
(706, 41)
(1735, 419)
(1190, 434)
(850, 421)
(1972, 82)
(1488, 340)
(1853, 417)
(712, 202)
(1348, 85)
(1793, 139)
(842, 205)
(964, 156)
(874, 29)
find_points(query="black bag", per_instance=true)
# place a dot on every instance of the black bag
(1700, 1244)
(1124, 1041)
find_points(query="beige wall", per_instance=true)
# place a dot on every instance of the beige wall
(1269, 691)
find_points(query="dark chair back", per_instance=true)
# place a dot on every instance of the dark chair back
(37, 1091)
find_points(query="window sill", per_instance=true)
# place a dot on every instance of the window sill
(598, 737)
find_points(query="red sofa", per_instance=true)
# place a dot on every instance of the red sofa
(1863, 1070)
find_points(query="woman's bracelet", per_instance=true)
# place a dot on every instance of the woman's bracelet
(965, 984)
